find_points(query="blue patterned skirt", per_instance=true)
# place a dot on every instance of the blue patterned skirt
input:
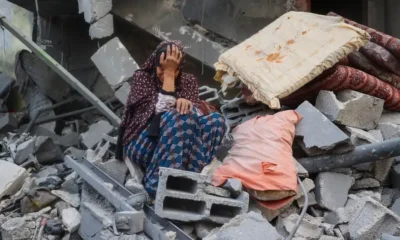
(187, 142)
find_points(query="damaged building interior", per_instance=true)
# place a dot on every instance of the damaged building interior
(282, 120)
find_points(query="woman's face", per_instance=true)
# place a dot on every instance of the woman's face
(160, 74)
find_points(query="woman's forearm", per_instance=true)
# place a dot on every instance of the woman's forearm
(169, 81)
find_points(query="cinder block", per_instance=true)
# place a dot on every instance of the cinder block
(104, 27)
(114, 62)
(181, 196)
(370, 220)
(316, 134)
(94, 9)
(351, 108)
(332, 189)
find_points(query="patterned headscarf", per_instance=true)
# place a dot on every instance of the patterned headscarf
(143, 95)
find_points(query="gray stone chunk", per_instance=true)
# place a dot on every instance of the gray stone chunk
(309, 227)
(350, 108)
(360, 137)
(70, 184)
(389, 237)
(387, 197)
(389, 130)
(364, 193)
(104, 27)
(114, 168)
(366, 183)
(217, 191)
(94, 9)
(234, 186)
(377, 134)
(12, 177)
(181, 196)
(382, 169)
(134, 186)
(396, 207)
(72, 199)
(71, 219)
(390, 117)
(344, 229)
(370, 219)
(332, 189)
(114, 62)
(311, 200)
(7, 122)
(317, 133)
(14, 229)
(123, 92)
(246, 226)
(95, 133)
(24, 150)
(203, 229)
(46, 151)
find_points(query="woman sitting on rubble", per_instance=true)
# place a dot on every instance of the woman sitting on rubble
(165, 124)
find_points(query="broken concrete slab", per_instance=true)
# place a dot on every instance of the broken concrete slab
(332, 189)
(366, 183)
(94, 9)
(114, 62)
(15, 228)
(389, 130)
(72, 199)
(116, 169)
(24, 150)
(370, 219)
(390, 117)
(350, 108)
(95, 133)
(7, 122)
(123, 92)
(12, 177)
(217, 191)
(104, 27)
(71, 219)
(309, 227)
(316, 133)
(246, 226)
(46, 151)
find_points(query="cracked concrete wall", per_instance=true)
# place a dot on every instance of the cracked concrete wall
(9, 45)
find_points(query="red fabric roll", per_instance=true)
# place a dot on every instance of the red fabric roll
(382, 57)
(345, 77)
(390, 43)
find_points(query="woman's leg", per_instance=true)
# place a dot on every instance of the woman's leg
(181, 144)
(141, 149)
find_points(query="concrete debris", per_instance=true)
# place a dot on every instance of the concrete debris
(310, 228)
(94, 9)
(246, 226)
(46, 151)
(15, 228)
(332, 189)
(389, 130)
(70, 184)
(396, 207)
(217, 191)
(390, 117)
(24, 150)
(364, 193)
(387, 197)
(350, 108)
(325, 237)
(317, 134)
(311, 200)
(370, 219)
(71, 219)
(123, 92)
(181, 196)
(234, 186)
(395, 177)
(7, 122)
(115, 63)
(95, 133)
(203, 229)
(72, 199)
(389, 237)
(104, 27)
(114, 168)
(12, 177)
(134, 186)
(366, 183)
(360, 137)
(209, 170)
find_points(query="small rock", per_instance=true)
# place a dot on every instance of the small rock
(311, 200)
(61, 205)
(203, 229)
(134, 187)
(234, 186)
(71, 219)
(216, 191)
(70, 185)
(366, 183)
(309, 227)
(328, 229)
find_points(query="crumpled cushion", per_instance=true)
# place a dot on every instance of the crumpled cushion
(290, 52)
